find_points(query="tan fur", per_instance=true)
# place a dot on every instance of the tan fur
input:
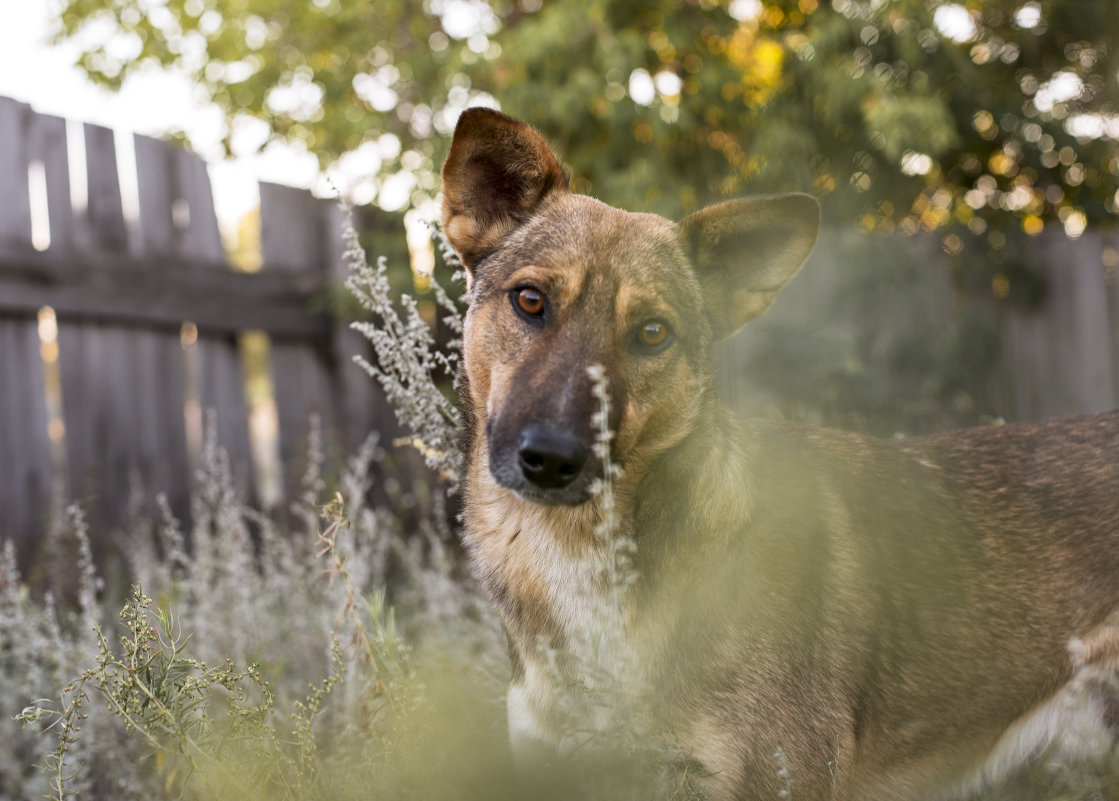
(900, 619)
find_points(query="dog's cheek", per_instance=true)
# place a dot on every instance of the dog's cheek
(501, 381)
(482, 343)
(661, 410)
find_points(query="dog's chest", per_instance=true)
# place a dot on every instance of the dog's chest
(541, 565)
(544, 568)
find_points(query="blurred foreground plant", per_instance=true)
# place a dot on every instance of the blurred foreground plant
(256, 664)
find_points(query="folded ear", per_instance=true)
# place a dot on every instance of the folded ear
(745, 250)
(498, 172)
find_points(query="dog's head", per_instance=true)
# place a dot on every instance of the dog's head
(560, 282)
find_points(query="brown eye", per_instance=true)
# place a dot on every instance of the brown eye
(653, 334)
(530, 302)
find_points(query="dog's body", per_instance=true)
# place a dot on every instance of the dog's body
(897, 618)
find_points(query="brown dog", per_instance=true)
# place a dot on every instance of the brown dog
(899, 618)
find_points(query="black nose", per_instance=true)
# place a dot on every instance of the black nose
(550, 459)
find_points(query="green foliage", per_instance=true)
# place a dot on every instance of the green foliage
(160, 693)
(666, 106)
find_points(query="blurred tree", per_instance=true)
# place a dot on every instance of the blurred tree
(984, 120)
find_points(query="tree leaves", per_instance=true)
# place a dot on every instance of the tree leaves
(668, 106)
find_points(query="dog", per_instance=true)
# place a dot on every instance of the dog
(894, 619)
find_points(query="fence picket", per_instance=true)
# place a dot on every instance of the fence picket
(1061, 357)
(200, 237)
(156, 194)
(104, 216)
(47, 144)
(161, 368)
(294, 229)
(221, 384)
(25, 456)
(221, 377)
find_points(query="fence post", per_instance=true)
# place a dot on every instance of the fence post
(221, 378)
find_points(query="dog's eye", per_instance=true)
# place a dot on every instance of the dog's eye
(654, 335)
(529, 301)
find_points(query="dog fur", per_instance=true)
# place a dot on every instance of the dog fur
(903, 619)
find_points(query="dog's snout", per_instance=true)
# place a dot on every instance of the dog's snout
(550, 459)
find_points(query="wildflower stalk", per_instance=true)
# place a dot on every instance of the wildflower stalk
(617, 566)
(374, 637)
(406, 358)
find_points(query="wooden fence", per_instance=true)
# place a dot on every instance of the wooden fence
(121, 295)
(1058, 358)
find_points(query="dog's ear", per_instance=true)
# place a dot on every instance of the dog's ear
(745, 250)
(498, 172)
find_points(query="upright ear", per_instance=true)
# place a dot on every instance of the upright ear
(498, 172)
(745, 250)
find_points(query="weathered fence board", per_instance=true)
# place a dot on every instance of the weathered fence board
(127, 288)
(160, 359)
(200, 237)
(1061, 356)
(15, 222)
(155, 194)
(102, 225)
(47, 144)
(25, 463)
(121, 435)
(295, 228)
(221, 393)
(25, 460)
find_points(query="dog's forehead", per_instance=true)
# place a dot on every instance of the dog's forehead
(587, 241)
(583, 229)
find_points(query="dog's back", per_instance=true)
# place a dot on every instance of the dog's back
(899, 606)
